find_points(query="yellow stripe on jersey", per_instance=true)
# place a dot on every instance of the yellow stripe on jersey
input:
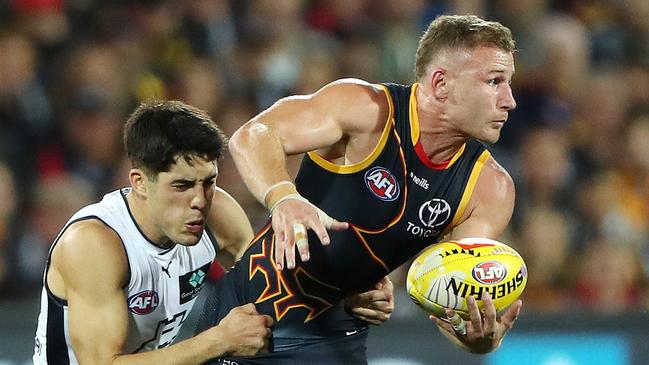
(349, 169)
(468, 189)
(414, 118)
(456, 156)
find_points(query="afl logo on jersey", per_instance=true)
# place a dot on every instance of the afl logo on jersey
(434, 212)
(382, 183)
(143, 302)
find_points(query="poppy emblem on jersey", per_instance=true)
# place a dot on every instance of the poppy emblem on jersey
(434, 212)
(143, 302)
(489, 272)
(382, 183)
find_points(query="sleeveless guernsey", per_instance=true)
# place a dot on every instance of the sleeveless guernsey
(397, 203)
(161, 291)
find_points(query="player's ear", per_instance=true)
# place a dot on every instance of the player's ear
(139, 182)
(438, 79)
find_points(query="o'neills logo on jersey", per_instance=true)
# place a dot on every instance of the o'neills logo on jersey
(489, 272)
(382, 183)
(143, 302)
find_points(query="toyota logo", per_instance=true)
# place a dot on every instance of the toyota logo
(434, 213)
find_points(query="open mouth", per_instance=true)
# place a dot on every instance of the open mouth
(195, 226)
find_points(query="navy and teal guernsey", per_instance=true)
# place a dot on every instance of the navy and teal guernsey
(397, 203)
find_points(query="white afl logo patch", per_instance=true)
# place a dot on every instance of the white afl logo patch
(382, 183)
(434, 213)
(489, 272)
(143, 302)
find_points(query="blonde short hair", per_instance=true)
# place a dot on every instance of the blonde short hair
(460, 32)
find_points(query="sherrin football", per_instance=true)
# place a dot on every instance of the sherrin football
(445, 274)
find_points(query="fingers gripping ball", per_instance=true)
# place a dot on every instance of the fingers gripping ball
(444, 275)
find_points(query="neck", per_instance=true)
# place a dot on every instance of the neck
(438, 137)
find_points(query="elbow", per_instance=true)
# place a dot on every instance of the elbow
(243, 138)
(236, 141)
(249, 137)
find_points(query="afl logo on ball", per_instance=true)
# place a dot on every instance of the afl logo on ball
(382, 183)
(489, 272)
(143, 302)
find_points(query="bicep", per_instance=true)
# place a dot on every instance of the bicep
(93, 266)
(492, 205)
(309, 122)
(98, 324)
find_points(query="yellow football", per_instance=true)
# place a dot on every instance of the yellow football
(445, 274)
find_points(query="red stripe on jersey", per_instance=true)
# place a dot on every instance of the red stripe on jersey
(419, 149)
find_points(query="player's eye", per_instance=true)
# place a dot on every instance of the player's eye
(181, 186)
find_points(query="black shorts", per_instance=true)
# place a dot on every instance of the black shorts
(347, 350)
(330, 337)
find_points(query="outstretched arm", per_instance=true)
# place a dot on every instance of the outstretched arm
(89, 269)
(488, 215)
(327, 121)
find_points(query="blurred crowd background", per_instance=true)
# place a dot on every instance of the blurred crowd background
(577, 146)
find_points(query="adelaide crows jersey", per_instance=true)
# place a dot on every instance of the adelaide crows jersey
(397, 203)
(161, 291)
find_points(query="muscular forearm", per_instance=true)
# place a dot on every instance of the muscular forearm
(195, 350)
(259, 157)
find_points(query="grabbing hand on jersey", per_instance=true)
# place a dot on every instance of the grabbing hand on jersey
(374, 306)
(292, 216)
(243, 331)
(484, 332)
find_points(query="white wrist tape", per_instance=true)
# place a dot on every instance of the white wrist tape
(275, 185)
(288, 197)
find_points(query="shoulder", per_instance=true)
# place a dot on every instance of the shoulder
(495, 178)
(491, 205)
(494, 195)
(223, 198)
(357, 104)
(228, 221)
(90, 248)
(353, 91)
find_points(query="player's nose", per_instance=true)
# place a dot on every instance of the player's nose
(199, 199)
(506, 100)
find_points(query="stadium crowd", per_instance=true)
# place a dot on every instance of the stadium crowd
(577, 146)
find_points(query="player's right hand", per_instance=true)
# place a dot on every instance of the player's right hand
(485, 330)
(245, 331)
(291, 220)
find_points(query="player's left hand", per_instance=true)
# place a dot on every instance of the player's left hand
(374, 306)
(484, 332)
